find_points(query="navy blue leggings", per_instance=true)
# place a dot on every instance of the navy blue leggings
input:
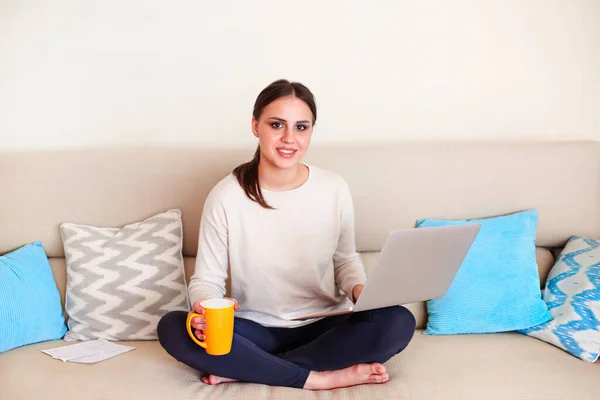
(285, 356)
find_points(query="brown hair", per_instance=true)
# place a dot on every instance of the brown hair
(247, 173)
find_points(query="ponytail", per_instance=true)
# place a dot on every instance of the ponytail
(247, 176)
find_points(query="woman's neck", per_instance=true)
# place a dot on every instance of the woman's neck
(277, 179)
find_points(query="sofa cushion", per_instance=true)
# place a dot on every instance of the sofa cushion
(493, 366)
(457, 180)
(30, 308)
(497, 286)
(545, 261)
(573, 297)
(121, 281)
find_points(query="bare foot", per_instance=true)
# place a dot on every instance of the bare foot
(215, 380)
(351, 376)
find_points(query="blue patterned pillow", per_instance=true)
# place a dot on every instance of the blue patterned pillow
(573, 296)
(30, 309)
(497, 287)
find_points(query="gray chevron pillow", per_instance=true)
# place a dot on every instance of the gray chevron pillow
(120, 281)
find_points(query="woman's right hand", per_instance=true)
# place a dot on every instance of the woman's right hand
(199, 323)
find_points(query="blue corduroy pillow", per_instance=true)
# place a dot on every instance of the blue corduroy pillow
(30, 309)
(497, 288)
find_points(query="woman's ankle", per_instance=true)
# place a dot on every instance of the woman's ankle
(314, 380)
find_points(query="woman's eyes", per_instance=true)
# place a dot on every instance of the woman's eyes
(279, 125)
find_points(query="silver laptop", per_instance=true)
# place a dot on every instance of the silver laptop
(415, 264)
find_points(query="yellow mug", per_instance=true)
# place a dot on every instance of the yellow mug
(219, 321)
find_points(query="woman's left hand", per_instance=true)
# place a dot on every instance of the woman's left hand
(356, 291)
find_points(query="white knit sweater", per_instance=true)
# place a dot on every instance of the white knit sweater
(286, 262)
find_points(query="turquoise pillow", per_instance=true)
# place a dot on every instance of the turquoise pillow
(30, 308)
(497, 287)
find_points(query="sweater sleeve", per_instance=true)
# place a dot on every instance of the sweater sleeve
(349, 269)
(212, 260)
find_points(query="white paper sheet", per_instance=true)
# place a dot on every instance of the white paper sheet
(88, 352)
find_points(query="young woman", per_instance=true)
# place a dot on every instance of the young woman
(286, 231)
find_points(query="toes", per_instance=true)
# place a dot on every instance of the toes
(380, 378)
(210, 380)
(379, 369)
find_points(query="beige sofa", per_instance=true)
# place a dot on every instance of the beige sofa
(393, 185)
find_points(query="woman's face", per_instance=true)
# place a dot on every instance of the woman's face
(284, 129)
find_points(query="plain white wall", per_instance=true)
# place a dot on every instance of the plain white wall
(110, 73)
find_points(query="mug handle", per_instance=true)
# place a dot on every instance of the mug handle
(188, 325)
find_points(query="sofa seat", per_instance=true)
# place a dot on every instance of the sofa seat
(493, 366)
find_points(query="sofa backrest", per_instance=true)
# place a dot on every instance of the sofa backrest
(393, 185)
